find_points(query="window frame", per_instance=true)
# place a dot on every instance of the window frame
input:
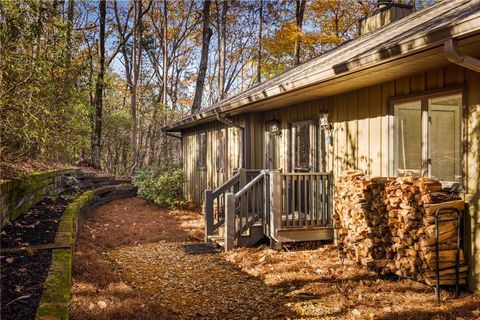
(423, 97)
(313, 148)
(221, 150)
(201, 156)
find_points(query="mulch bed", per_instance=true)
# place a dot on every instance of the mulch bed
(24, 271)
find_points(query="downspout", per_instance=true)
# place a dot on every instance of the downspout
(455, 56)
(242, 129)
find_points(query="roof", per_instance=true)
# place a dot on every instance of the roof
(416, 33)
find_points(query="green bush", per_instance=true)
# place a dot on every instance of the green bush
(162, 186)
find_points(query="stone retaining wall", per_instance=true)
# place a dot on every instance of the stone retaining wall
(56, 289)
(18, 195)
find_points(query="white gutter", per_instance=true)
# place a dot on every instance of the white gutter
(455, 56)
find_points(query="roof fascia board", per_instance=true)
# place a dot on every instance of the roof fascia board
(411, 46)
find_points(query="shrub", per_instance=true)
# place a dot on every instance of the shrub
(162, 186)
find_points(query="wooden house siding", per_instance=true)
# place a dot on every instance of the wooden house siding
(197, 180)
(361, 139)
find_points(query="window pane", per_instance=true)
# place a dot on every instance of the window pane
(408, 139)
(202, 151)
(221, 150)
(445, 137)
(302, 143)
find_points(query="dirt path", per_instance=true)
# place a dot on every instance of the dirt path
(129, 264)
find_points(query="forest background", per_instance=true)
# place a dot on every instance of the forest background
(93, 82)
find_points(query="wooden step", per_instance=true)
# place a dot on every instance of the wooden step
(216, 239)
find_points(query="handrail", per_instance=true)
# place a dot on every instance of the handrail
(305, 173)
(226, 185)
(250, 184)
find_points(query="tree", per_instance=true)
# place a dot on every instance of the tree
(206, 35)
(299, 12)
(260, 30)
(99, 86)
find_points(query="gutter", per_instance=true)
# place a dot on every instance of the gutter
(455, 56)
(170, 134)
(242, 129)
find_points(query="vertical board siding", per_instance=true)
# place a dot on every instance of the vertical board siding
(360, 133)
(199, 180)
(361, 121)
(361, 127)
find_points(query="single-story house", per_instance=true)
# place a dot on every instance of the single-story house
(401, 99)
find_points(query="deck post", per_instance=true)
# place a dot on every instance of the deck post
(229, 221)
(243, 200)
(275, 203)
(208, 213)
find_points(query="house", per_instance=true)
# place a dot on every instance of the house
(401, 99)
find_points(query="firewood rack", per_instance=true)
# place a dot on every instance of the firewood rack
(457, 254)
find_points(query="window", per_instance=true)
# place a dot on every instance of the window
(202, 151)
(303, 146)
(221, 150)
(272, 134)
(427, 137)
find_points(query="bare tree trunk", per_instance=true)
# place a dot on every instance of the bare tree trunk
(202, 71)
(99, 87)
(222, 7)
(70, 9)
(165, 48)
(299, 12)
(260, 30)
(136, 60)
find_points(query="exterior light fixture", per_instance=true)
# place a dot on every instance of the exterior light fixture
(327, 127)
(275, 127)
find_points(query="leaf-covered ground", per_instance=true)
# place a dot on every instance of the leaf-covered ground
(130, 264)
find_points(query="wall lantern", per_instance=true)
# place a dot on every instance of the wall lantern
(327, 127)
(275, 127)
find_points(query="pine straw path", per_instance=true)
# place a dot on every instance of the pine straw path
(129, 264)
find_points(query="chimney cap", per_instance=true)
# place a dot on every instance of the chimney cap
(383, 5)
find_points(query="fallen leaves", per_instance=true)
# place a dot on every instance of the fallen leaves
(248, 283)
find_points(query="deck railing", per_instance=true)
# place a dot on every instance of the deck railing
(214, 206)
(306, 199)
(245, 208)
(280, 200)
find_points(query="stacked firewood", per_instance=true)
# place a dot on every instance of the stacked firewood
(360, 217)
(389, 225)
(411, 205)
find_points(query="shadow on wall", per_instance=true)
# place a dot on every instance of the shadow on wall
(472, 221)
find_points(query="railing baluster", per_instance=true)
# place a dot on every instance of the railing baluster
(305, 200)
(325, 202)
(317, 200)
(294, 199)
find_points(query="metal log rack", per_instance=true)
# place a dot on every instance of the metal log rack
(457, 254)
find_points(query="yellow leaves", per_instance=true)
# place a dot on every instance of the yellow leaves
(283, 40)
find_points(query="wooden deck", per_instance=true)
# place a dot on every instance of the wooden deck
(285, 207)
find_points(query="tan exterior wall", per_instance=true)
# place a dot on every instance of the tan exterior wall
(210, 177)
(361, 138)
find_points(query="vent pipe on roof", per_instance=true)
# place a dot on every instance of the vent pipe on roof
(455, 56)
(387, 11)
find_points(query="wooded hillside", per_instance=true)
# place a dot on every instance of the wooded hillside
(94, 81)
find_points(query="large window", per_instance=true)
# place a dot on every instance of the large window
(427, 137)
(202, 151)
(221, 150)
(303, 146)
